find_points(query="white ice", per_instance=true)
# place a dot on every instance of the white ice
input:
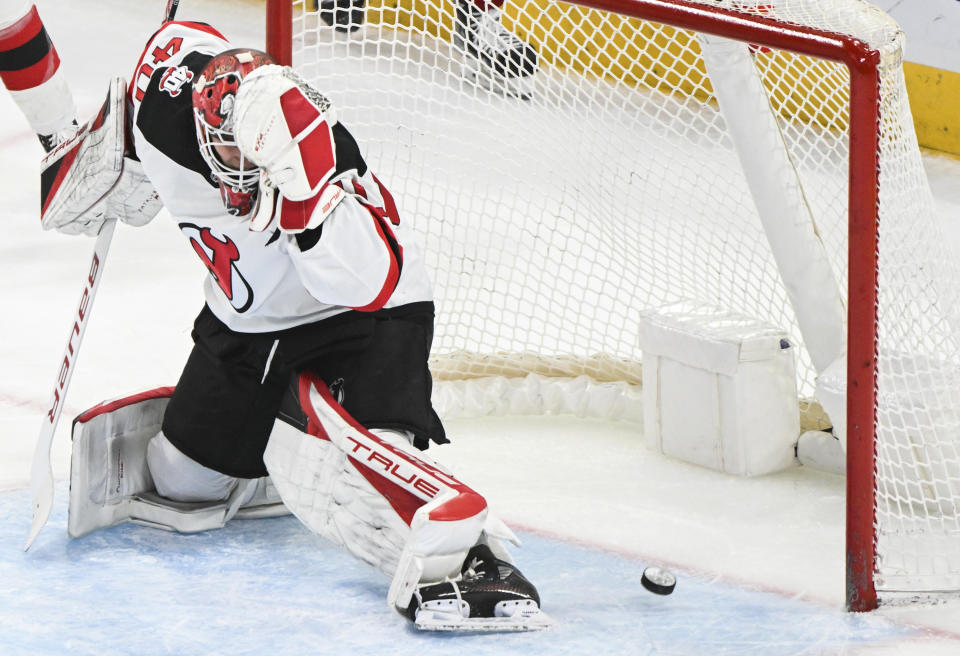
(577, 482)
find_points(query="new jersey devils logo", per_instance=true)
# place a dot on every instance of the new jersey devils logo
(220, 255)
(174, 78)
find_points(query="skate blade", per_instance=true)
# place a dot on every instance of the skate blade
(432, 620)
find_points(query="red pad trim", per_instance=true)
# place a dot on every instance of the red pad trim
(393, 247)
(317, 155)
(316, 148)
(22, 31)
(403, 502)
(101, 116)
(298, 111)
(466, 504)
(314, 427)
(65, 163)
(107, 407)
(295, 214)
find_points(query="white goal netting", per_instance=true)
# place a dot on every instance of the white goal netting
(618, 183)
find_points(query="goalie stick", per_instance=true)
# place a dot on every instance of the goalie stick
(171, 10)
(41, 474)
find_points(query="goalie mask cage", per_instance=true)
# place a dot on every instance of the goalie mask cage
(758, 155)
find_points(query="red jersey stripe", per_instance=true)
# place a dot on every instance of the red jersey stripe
(65, 165)
(396, 261)
(388, 203)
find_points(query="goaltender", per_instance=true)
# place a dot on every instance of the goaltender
(308, 382)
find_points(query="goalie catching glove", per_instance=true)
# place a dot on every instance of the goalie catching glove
(284, 126)
(89, 178)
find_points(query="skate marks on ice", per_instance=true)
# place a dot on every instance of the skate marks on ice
(270, 587)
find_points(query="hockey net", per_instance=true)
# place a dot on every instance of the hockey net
(630, 179)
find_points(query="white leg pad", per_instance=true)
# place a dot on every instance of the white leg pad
(327, 494)
(108, 459)
(111, 482)
(383, 500)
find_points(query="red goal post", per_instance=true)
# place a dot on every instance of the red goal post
(763, 26)
(863, 64)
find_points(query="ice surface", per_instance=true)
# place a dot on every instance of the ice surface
(272, 587)
(759, 561)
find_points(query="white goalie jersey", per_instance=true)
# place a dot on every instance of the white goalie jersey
(359, 258)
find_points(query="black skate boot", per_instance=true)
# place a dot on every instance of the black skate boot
(489, 595)
(342, 15)
(493, 56)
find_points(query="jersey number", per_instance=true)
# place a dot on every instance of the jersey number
(150, 63)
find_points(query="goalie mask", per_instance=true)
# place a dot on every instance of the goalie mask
(214, 94)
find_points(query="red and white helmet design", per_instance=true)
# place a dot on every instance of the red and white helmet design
(214, 94)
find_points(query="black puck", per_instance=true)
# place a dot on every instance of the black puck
(658, 580)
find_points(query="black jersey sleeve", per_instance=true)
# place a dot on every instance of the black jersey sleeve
(166, 120)
(348, 152)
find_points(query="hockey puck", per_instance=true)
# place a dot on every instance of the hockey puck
(658, 580)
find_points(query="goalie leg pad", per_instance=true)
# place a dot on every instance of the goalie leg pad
(111, 482)
(380, 498)
(317, 482)
(108, 459)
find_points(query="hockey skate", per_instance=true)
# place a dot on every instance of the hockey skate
(489, 595)
(342, 15)
(493, 57)
(50, 141)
